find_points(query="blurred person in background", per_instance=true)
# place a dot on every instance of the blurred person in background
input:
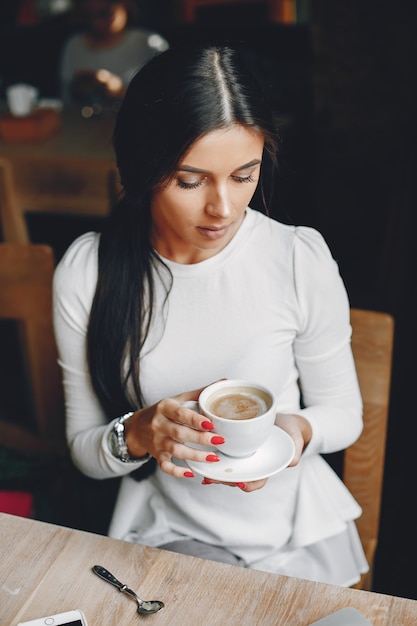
(98, 62)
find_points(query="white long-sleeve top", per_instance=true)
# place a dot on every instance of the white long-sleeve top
(270, 307)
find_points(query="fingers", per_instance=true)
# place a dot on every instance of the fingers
(179, 424)
(247, 487)
(173, 448)
(174, 426)
(193, 395)
(174, 411)
(176, 471)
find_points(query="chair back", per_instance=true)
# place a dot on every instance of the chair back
(372, 346)
(26, 273)
(74, 188)
(12, 220)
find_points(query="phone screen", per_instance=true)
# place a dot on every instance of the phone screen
(69, 618)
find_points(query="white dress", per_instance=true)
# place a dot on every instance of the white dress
(270, 307)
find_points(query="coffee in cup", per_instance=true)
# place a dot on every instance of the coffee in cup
(242, 412)
(238, 404)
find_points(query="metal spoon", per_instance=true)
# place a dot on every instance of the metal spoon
(145, 607)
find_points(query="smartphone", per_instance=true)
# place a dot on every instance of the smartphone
(69, 618)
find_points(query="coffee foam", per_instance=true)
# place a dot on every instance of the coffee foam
(238, 405)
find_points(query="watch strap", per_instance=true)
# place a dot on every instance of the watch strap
(117, 441)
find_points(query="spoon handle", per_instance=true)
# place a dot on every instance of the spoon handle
(108, 576)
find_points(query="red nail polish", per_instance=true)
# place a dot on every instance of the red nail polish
(241, 485)
(207, 425)
(188, 475)
(212, 458)
(206, 481)
(217, 440)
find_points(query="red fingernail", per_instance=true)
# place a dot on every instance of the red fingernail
(188, 475)
(216, 440)
(212, 458)
(241, 485)
(206, 481)
(207, 426)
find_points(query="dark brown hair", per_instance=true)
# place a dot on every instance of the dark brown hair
(178, 97)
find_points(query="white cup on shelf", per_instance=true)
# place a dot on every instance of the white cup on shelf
(21, 99)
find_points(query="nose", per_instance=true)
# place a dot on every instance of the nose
(219, 202)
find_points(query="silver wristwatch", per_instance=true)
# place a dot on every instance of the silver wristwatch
(117, 440)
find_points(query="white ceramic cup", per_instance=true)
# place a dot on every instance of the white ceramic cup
(21, 99)
(242, 412)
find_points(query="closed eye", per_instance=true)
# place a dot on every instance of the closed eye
(244, 179)
(192, 185)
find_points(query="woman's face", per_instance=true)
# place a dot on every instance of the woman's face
(197, 213)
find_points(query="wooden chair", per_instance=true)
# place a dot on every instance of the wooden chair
(12, 221)
(26, 272)
(53, 187)
(372, 345)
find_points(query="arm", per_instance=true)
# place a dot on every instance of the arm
(330, 389)
(158, 429)
(86, 424)
(331, 417)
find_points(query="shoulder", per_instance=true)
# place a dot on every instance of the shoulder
(319, 287)
(148, 38)
(82, 249)
(79, 266)
(287, 240)
(300, 251)
(312, 256)
(310, 246)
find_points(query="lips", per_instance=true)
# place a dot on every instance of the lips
(213, 233)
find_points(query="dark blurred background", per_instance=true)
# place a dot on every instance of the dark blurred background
(341, 80)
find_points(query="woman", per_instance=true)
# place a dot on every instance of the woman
(187, 285)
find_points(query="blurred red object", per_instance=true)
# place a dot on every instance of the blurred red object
(16, 503)
(28, 13)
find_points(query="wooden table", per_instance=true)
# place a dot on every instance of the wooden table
(46, 569)
(72, 171)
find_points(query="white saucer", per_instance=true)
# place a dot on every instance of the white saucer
(272, 457)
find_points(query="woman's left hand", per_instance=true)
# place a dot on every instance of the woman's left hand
(299, 430)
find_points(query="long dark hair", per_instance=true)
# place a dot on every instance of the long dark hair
(179, 96)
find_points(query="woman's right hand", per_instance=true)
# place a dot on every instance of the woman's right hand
(163, 429)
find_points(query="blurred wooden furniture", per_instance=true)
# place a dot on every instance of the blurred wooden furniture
(372, 345)
(26, 272)
(12, 221)
(280, 11)
(72, 172)
(47, 569)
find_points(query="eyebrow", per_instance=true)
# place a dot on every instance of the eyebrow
(195, 170)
